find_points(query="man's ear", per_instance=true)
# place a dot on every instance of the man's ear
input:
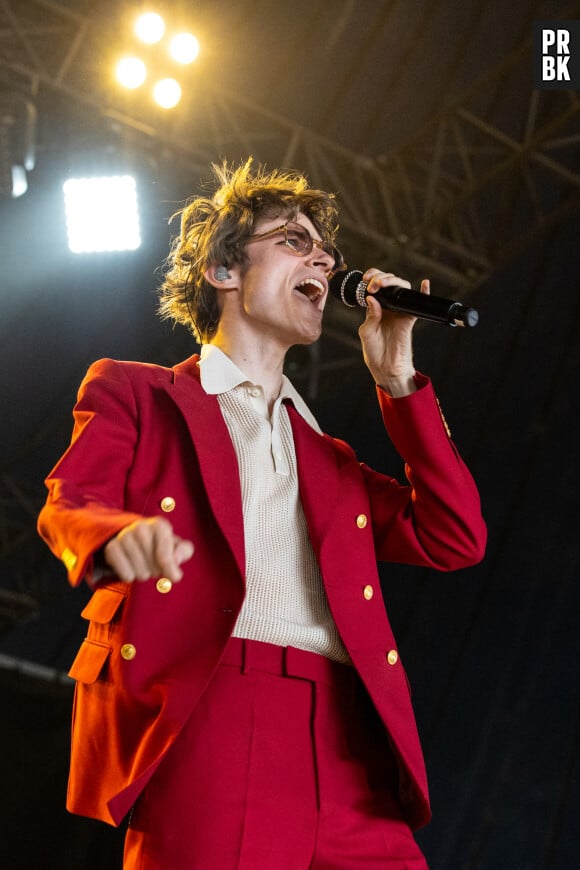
(222, 277)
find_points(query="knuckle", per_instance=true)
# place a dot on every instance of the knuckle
(126, 573)
(162, 526)
(111, 548)
(143, 574)
(143, 525)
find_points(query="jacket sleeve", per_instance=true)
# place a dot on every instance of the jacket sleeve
(436, 520)
(86, 488)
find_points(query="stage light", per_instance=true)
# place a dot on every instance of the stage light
(184, 48)
(17, 143)
(131, 72)
(167, 93)
(102, 214)
(19, 181)
(150, 27)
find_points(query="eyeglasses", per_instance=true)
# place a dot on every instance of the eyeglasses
(300, 242)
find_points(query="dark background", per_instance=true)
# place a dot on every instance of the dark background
(421, 116)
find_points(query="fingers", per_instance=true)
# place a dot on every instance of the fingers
(120, 560)
(386, 336)
(183, 551)
(148, 548)
(375, 279)
(374, 310)
(163, 547)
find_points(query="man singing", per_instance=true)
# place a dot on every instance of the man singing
(240, 695)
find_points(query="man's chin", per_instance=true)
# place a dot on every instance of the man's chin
(306, 333)
(310, 339)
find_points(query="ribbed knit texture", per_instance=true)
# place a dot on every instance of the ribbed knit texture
(285, 600)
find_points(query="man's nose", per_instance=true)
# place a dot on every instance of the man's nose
(319, 257)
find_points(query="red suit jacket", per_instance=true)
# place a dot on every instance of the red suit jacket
(148, 441)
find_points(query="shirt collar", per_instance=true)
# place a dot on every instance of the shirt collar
(219, 374)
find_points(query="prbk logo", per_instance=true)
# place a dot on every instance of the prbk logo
(557, 55)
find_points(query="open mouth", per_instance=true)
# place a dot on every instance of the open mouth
(312, 289)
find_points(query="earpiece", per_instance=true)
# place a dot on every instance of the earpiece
(221, 273)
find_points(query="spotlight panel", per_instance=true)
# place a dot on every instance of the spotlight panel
(102, 214)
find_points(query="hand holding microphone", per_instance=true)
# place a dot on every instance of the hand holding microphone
(349, 287)
(387, 341)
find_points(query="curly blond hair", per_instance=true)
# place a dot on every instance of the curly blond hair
(215, 230)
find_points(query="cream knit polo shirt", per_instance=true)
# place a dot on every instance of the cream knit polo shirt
(285, 600)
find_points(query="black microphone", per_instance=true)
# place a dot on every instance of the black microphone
(352, 291)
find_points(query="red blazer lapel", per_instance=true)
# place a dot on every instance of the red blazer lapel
(315, 455)
(217, 459)
(317, 476)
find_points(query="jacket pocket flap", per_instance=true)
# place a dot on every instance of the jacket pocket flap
(104, 604)
(90, 661)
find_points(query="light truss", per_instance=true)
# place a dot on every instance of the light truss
(459, 199)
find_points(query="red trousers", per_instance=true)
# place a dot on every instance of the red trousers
(284, 765)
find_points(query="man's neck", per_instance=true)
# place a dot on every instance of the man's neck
(262, 363)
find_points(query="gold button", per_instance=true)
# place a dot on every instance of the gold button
(361, 521)
(69, 558)
(167, 504)
(164, 585)
(128, 652)
(392, 656)
(368, 592)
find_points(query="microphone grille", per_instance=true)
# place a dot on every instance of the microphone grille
(343, 285)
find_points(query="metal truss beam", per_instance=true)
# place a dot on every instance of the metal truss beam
(452, 203)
